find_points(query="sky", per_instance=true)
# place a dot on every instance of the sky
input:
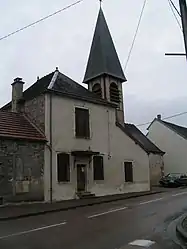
(156, 84)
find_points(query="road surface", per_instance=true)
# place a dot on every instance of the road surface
(127, 224)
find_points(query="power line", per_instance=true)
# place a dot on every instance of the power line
(178, 12)
(171, 4)
(135, 35)
(40, 20)
(169, 117)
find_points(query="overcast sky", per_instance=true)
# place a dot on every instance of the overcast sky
(156, 83)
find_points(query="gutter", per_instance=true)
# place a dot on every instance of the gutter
(50, 143)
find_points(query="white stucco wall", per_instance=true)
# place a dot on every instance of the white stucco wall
(175, 158)
(106, 138)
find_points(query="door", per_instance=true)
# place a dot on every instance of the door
(81, 177)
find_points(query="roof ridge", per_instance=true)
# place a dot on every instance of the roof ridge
(174, 124)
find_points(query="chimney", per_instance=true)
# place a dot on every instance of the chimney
(159, 117)
(17, 93)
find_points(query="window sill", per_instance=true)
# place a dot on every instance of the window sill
(86, 138)
(64, 183)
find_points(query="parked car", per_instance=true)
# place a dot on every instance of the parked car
(173, 180)
(182, 180)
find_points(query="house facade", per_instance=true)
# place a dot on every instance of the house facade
(172, 139)
(97, 158)
(87, 147)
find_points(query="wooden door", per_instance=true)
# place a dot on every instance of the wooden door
(81, 177)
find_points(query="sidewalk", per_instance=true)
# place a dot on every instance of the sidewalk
(182, 227)
(21, 210)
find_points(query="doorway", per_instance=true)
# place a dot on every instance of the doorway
(81, 177)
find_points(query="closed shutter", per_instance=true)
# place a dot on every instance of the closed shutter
(82, 123)
(63, 167)
(98, 168)
(128, 171)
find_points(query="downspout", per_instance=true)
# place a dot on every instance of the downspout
(51, 155)
(150, 181)
(55, 75)
(108, 131)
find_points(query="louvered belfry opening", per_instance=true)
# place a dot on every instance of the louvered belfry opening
(97, 89)
(114, 93)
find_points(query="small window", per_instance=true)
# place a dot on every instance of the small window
(114, 93)
(97, 90)
(63, 167)
(128, 171)
(98, 168)
(82, 127)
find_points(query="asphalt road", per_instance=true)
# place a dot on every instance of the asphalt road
(134, 223)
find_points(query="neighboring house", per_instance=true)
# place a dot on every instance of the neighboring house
(21, 158)
(89, 149)
(156, 160)
(172, 139)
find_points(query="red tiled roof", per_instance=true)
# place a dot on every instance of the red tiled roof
(16, 125)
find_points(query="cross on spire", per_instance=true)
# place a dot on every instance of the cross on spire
(100, 2)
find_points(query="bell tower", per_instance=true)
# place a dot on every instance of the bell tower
(104, 74)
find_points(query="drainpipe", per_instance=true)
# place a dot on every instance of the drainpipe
(51, 155)
(150, 182)
(108, 131)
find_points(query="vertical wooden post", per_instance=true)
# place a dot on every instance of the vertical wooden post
(183, 10)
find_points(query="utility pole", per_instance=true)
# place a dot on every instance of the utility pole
(183, 14)
(183, 10)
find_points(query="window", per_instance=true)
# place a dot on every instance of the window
(98, 168)
(114, 93)
(63, 167)
(97, 90)
(128, 171)
(82, 128)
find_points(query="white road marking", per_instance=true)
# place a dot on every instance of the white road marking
(142, 242)
(110, 211)
(182, 193)
(33, 230)
(146, 202)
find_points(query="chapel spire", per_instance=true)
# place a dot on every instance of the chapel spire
(103, 58)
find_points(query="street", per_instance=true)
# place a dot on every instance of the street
(130, 223)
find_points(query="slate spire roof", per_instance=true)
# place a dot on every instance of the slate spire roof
(103, 58)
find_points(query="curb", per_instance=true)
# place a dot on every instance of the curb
(94, 202)
(180, 229)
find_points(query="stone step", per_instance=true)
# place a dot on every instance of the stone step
(85, 195)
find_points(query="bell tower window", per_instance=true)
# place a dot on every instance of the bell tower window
(97, 90)
(114, 93)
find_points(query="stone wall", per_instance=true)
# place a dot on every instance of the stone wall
(156, 163)
(21, 170)
(35, 109)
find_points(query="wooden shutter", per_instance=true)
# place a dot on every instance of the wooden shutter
(98, 168)
(63, 167)
(82, 127)
(114, 93)
(128, 171)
